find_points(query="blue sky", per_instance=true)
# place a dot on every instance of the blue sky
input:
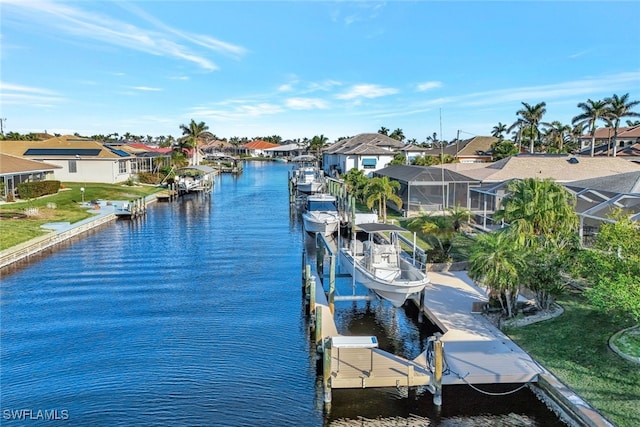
(304, 68)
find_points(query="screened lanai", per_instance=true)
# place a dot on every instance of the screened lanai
(426, 189)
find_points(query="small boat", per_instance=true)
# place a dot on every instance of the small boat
(194, 178)
(378, 263)
(321, 214)
(306, 176)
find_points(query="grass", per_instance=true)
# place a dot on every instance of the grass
(629, 342)
(574, 348)
(64, 206)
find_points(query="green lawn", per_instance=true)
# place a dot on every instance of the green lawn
(574, 348)
(64, 206)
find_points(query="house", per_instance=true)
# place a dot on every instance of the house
(257, 148)
(473, 150)
(627, 136)
(286, 150)
(80, 159)
(367, 152)
(147, 158)
(15, 170)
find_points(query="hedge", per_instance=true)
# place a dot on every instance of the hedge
(31, 190)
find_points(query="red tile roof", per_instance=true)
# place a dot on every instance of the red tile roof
(259, 145)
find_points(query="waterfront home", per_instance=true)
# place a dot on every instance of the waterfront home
(367, 152)
(473, 150)
(16, 170)
(79, 159)
(257, 148)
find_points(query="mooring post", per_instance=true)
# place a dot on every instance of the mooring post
(437, 375)
(318, 335)
(326, 371)
(332, 283)
(320, 257)
(312, 295)
(421, 307)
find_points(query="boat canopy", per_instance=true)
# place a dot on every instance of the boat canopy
(304, 158)
(376, 227)
(201, 168)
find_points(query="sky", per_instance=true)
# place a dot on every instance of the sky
(299, 69)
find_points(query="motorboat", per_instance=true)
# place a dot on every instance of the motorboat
(306, 175)
(194, 178)
(376, 261)
(321, 214)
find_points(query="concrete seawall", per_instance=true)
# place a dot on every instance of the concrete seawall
(61, 232)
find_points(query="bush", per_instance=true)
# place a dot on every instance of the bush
(149, 178)
(31, 190)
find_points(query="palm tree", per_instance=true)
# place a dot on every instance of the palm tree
(592, 111)
(518, 126)
(193, 134)
(619, 107)
(531, 116)
(379, 190)
(383, 131)
(495, 262)
(632, 123)
(397, 134)
(557, 133)
(317, 144)
(499, 130)
(537, 208)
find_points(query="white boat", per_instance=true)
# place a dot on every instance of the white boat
(194, 178)
(321, 214)
(377, 263)
(306, 176)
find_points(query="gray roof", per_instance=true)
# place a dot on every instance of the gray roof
(621, 183)
(365, 144)
(409, 173)
(374, 227)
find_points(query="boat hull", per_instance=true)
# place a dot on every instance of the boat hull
(325, 223)
(394, 290)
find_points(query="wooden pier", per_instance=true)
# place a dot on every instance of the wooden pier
(131, 209)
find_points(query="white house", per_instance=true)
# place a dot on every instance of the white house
(367, 152)
(79, 159)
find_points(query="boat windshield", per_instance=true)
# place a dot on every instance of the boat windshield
(321, 205)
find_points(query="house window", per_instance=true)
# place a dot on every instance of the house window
(73, 166)
(369, 163)
(122, 165)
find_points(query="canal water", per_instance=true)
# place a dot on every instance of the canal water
(192, 315)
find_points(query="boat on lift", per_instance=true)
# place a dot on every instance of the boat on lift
(306, 176)
(321, 214)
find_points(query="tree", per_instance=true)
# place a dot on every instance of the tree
(496, 262)
(499, 130)
(397, 134)
(613, 268)
(531, 116)
(193, 134)
(356, 182)
(383, 131)
(592, 111)
(502, 149)
(317, 144)
(557, 133)
(378, 191)
(619, 107)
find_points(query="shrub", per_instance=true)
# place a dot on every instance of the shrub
(149, 178)
(31, 190)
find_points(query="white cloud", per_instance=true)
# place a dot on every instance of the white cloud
(428, 85)
(165, 41)
(147, 88)
(366, 91)
(13, 94)
(305, 103)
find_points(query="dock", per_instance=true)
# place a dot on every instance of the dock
(469, 351)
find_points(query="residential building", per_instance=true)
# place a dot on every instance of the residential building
(368, 152)
(15, 170)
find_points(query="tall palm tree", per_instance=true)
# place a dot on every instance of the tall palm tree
(317, 143)
(518, 127)
(378, 191)
(592, 111)
(194, 133)
(619, 107)
(383, 131)
(531, 116)
(557, 133)
(499, 130)
(495, 262)
(397, 134)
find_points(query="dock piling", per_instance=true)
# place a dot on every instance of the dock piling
(437, 374)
